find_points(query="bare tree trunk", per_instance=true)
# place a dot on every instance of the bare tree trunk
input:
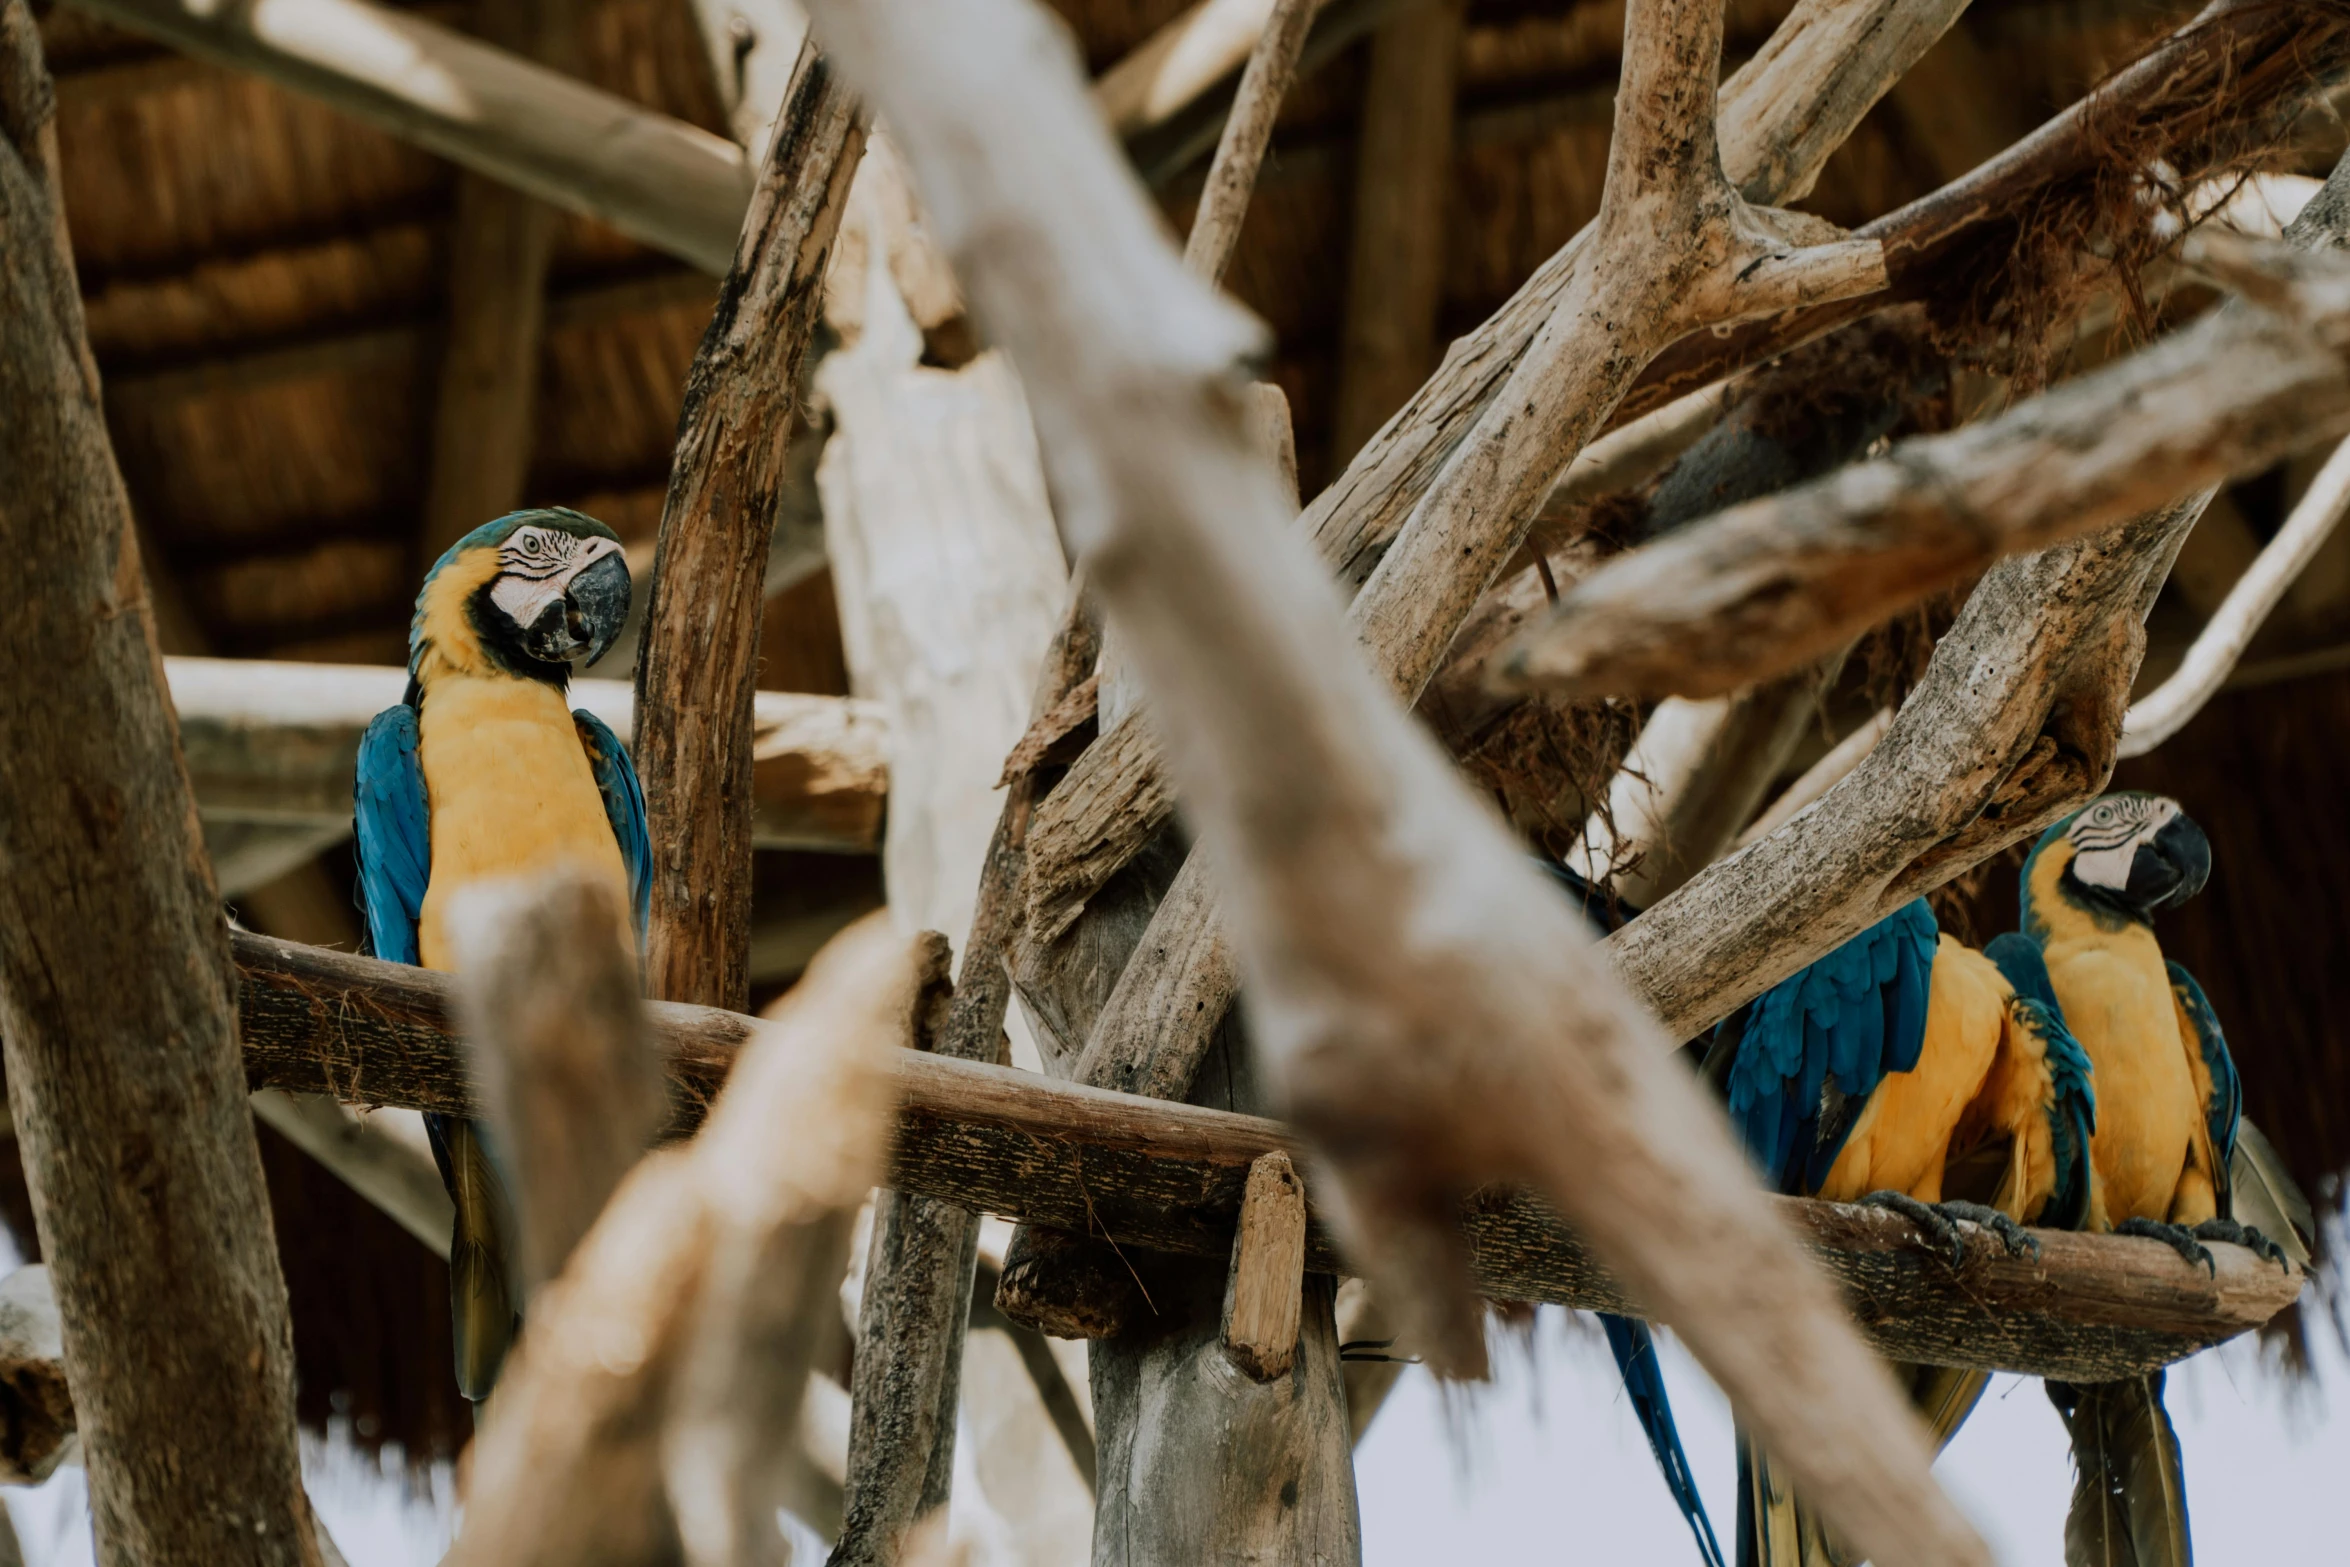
(699, 665)
(117, 997)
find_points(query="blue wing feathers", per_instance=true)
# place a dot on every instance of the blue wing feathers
(392, 828)
(2227, 1090)
(624, 806)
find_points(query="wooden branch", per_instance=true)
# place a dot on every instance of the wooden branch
(1425, 1004)
(696, 740)
(1248, 130)
(650, 1409)
(2167, 709)
(276, 743)
(549, 1001)
(1262, 1297)
(678, 189)
(1160, 1176)
(1781, 115)
(117, 994)
(1817, 779)
(1403, 184)
(1779, 581)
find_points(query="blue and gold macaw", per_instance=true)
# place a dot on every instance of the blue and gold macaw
(484, 772)
(1903, 1070)
(2167, 1141)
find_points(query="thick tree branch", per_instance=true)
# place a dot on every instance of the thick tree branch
(1162, 1176)
(1394, 935)
(117, 995)
(695, 739)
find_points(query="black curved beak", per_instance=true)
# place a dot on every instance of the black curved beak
(596, 606)
(2171, 869)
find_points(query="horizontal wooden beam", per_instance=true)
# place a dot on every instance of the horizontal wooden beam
(1169, 1177)
(277, 743)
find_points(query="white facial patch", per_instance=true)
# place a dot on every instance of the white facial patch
(2106, 836)
(535, 568)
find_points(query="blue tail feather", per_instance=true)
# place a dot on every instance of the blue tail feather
(1634, 1347)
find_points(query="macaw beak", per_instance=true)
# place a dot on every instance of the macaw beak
(584, 622)
(2172, 868)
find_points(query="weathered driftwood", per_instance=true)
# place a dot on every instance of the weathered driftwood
(695, 735)
(549, 1001)
(1423, 1003)
(649, 1411)
(656, 179)
(1779, 581)
(2165, 710)
(117, 994)
(1161, 1176)
(1403, 181)
(1248, 130)
(1781, 115)
(1817, 779)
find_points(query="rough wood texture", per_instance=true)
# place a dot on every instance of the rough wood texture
(1403, 181)
(1248, 130)
(1423, 1003)
(2167, 709)
(117, 995)
(651, 1411)
(1166, 1176)
(1779, 581)
(695, 739)
(677, 188)
(1261, 1292)
(1781, 115)
(550, 1004)
(274, 744)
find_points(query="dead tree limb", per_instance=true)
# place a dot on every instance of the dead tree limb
(645, 1412)
(1165, 1176)
(695, 739)
(117, 995)
(1779, 581)
(2167, 709)
(1426, 1006)
(1248, 130)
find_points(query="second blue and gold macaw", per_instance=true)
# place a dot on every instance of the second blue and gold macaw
(483, 772)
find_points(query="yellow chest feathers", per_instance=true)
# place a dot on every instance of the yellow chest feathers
(511, 794)
(2117, 998)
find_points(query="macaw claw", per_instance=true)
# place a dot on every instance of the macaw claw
(2246, 1236)
(1940, 1221)
(2176, 1236)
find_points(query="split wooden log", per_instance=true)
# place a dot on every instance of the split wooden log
(1263, 1289)
(656, 179)
(274, 744)
(1160, 1176)
(648, 1411)
(2167, 709)
(1771, 584)
(117, 995)
(696, 740)
(549, 997)
(1412, 976)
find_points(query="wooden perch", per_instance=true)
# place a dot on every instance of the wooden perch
(2167, 709)
(276, 743)
(1774, 583)
(549, 999)
(658, 1391)
(696, 737)
(1161, 1176)
(1425, 1005)
(117, 993)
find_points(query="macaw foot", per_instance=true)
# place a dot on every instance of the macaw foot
(1939, 1221)
(2243, 1235)
(2176, 1236)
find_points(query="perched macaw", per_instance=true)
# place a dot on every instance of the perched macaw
(483, 772)
(1903, 1070)
(2167, 1140)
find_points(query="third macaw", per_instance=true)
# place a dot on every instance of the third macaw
(484, 772)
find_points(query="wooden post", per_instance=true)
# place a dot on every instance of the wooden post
(698, 669)
(1403, 180)
(117, 997)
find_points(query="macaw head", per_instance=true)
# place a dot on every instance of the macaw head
(527, 595)
(2127, 854)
